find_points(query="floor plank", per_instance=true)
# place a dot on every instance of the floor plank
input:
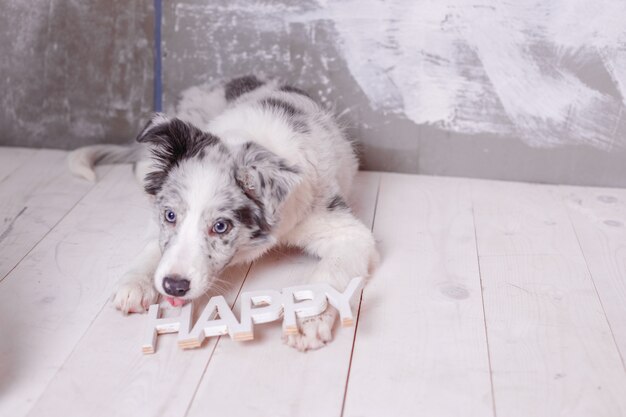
(49, 300)
(551, 349)
(34, 197)
(272, 379)
(421, 346)
(599, 219)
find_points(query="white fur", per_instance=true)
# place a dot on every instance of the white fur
(327, 162)
(184, 256)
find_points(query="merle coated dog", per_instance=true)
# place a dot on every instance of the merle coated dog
(244, 167)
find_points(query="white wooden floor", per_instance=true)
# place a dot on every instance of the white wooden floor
(492, 299)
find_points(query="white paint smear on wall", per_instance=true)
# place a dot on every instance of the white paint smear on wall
(549, 72)
(488, 67)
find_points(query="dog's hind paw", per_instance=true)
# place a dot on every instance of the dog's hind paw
(313, 332)
(135, 297)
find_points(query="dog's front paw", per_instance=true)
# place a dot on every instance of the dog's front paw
(135, 296)
(313, 332)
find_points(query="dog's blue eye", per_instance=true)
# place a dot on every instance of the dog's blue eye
(221, 227)
(170, 216)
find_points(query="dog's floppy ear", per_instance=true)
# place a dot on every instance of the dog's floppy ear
(171, 141)
(156, 119)
(264, 177)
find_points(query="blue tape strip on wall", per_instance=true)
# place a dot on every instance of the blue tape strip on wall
(158, 87)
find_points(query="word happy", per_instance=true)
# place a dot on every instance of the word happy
(256, 307)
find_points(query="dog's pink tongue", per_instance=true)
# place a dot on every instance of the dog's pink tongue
(176, 302)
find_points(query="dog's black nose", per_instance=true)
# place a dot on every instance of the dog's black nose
(176, 286)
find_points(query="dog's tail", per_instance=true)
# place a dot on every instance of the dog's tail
(83, 160)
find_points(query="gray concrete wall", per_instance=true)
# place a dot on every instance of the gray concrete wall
(531, 90)
(74, 73)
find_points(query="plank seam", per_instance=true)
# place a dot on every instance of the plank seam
(358, 312)
(482, 298)
(595, 288)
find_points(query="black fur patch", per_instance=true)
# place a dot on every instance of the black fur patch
(280, 105)
(237, 87)
(337, 203)
(253, 220)
(172, 142)
(282, 165)
(245, 216)
(258, 234)
(292, 89)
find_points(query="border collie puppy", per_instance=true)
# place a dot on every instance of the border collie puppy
(244, 167)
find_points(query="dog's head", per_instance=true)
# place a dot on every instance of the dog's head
(215, 204)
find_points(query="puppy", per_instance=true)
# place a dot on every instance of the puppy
(245, 167)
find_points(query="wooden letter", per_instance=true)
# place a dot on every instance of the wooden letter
(342, 301)
(302, 301)
(157, 326)
(258, 307)
(207, 325)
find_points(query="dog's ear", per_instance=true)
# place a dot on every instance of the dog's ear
(264, 177)
(171, 141)
(156, 120)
